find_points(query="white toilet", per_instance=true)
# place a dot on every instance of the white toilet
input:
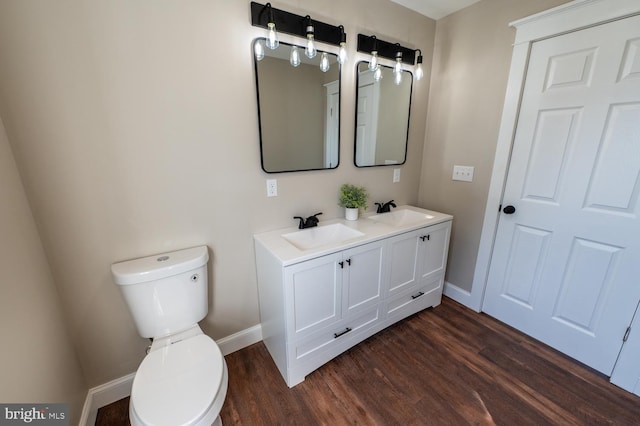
(183, 379)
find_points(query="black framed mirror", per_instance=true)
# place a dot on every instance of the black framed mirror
(383, 107)
(298, 109)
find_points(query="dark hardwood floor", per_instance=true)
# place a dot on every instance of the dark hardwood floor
(443, 366)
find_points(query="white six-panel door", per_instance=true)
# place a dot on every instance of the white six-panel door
(566, 264)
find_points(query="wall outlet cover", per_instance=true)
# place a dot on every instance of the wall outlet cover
(272, 187)
(463, 173)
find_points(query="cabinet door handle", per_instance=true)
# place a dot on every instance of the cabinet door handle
(346, 330)
(341, 265)
(415, 296)
(425, 237)
(349, 262)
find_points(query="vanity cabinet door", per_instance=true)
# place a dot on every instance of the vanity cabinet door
(362, 276)
(432, 255)
(403, 262)
(314, 295)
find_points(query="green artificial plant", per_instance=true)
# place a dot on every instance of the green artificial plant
(353, 197)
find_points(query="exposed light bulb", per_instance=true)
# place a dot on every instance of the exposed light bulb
(272, 36)
(258, 49)
(377, 74)
(294, 57)
(310, 50)
(419, 72)
(397, 69)
(373, 62)
(324, 62)
(397, 78)
(342, 53)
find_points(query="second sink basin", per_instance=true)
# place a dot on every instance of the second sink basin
(400, 217)
(307, 239)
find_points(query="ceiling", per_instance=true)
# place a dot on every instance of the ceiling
(435, 9)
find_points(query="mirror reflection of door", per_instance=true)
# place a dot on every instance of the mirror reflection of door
(332, 125)
(367, 119)
(382, 117)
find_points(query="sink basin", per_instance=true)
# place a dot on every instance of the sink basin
(307, 239)
(402, 217)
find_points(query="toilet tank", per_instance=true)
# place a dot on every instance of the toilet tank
(165, 293)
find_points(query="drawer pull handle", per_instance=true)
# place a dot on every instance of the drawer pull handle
(346, 330)
(417, 295)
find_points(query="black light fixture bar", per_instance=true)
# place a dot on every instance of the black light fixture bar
(290, 23)
(385, 49)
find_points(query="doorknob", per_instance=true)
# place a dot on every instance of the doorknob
(509, 210)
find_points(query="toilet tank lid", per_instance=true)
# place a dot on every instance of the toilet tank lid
(159, 266)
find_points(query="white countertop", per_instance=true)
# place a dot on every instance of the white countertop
(373, 230)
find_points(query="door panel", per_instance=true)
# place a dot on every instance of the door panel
(565, 264)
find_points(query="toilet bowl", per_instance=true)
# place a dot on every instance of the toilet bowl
(180, 383)
(183, 379)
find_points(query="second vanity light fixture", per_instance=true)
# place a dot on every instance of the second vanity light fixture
(276, 20)
(394, 51)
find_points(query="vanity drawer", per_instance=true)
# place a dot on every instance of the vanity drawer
(335, 335)
(414, 299)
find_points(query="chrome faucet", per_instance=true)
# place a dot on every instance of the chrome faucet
(310, 222)
(386, 207)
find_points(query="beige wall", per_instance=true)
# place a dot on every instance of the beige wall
(470, 69)
(134, 128)
(39, 363)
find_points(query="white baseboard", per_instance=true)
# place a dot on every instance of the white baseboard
(117, 389)
(240, 340)
(459, 295)
(103, 395)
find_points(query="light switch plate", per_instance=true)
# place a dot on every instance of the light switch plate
(463, 173)
(272, 188)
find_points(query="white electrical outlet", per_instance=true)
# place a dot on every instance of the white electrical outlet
(272, 188)
(396, 175)
(463, 173)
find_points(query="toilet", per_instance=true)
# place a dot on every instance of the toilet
(183, 378)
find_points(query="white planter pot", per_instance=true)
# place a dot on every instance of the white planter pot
(351, 214)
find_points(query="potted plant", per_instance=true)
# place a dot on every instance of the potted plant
(352, 198)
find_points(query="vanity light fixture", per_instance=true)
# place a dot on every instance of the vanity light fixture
(394, 51)
(272, 35)
(342, 53)
(419, 71)
(266, 16)
(310, 51)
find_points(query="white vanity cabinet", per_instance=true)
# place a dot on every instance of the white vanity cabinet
(329, 304)
(315, 306)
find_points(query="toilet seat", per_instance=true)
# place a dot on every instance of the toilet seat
(180, 384)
